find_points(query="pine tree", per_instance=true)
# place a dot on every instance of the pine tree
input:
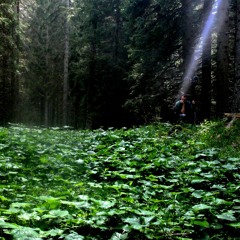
(206, 64)
(222, 90)
(236, 90)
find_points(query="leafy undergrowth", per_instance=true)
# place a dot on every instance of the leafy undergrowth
(153, 182)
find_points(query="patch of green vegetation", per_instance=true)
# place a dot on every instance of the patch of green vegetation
(160, 181)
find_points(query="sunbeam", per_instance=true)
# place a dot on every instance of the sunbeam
(206, 32)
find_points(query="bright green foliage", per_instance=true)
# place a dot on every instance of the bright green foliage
(153, 182)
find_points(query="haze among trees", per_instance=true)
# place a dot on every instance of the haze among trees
(114, 63)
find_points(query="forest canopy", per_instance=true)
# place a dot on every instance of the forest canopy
(111, 63)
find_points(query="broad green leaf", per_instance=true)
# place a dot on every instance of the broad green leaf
(80, 161)
(199, 207)
(147, 220)
(203, 224)
(235, 225)
(219, 201)
(219, 187)
(230, 166)
(54, 232)
(83, 197)
(59, 213)
(4, 224)
(3, 199)
(227, 216)
(198, 180)
(106, 204)
(26, 233)
(73, 236)
(144, 212)
(198, 193)
(20, 205)
(166, 186)
(119, 236)
(134, 222)
(25, 216)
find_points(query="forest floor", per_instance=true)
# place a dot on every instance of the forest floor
(159, 181)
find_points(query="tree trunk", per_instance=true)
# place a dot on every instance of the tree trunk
(117, 31)
(46, 92)
(236, 90)
(66, 62)
(187, 31)
(206, 66)
(222, 91)
(16, 75)
(92, 70)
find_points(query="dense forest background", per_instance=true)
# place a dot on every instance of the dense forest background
(115, 63)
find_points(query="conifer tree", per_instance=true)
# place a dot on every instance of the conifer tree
(8, 60)
(236, 89)
(222, 84)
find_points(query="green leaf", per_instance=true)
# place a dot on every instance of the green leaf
(219, 187)
(3, 199)
(235, 225)
(203, 224)
(144, 212)
(199, 207)
(26, 233)
(83, 197)
(4, 224)
(56, 214)
(147, 220)
(119, 236)
(134, 222)
(105, 204)
(230, 166)
(20, 205)
(227, 216)
(74, 236)
(198, 180)
(198, 193)
(54, 232)
(219, 201)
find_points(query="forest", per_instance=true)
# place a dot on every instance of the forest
(90, 148)
(111, 63)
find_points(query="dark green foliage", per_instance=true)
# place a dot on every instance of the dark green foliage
(42, 75)
(8, 59)
(153, 29)
(153, 182)
(98, 65)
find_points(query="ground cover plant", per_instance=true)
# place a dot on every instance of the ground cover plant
(160, 181)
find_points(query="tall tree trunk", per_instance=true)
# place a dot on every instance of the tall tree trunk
(117, 31)
(16, 75)
(66, 62)
(90, 82)
(236, 90)
(187, 31)
(8, 54)
(206, 65)
(92, 70)
(222, 90)
(46, 92)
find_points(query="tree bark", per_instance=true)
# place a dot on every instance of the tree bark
(46, 92)
(66, 63)
(187, 31)
(206, 66)
(236, 90)
(222, 91)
